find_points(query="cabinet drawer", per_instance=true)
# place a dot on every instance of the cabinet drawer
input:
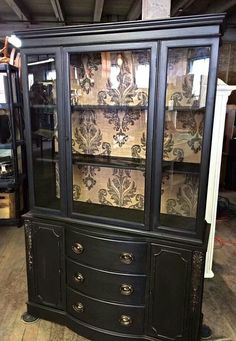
(107, 254)
(119, 318)
(126, 289)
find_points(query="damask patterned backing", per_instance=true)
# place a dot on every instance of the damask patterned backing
(110, 78)
(109, 132)
(179, 194)
(109, 112)
(109, 186)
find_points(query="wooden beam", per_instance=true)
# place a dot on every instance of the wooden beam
(179, 6)
(155, 9)
(135, 10)
(58, 10)
(98, 10)
(220, 6)
(18, 10)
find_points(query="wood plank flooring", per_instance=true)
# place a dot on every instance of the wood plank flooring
(219, 304)
(13, 295)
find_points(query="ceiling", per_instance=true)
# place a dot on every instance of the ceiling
(27, 14)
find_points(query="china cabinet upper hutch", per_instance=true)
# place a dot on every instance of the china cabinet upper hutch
(119, 120)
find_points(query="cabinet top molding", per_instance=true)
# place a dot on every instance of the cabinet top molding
(127, 27)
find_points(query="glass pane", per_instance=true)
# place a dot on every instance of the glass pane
(19, 159)
(187, 78)
(6, 164)
(3, 88)
(109, 103)
(18, 128)
(5, 127)
(14, 88)
(44, 128)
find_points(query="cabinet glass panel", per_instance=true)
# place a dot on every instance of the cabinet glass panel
(14, 88)
(18, 124)
(187, 78)
(5, 127)
(109, 109)
(3, 89)
(19, 159)
(44, 129)
(6, 163)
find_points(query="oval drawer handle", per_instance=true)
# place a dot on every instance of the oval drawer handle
(78, 277)
(125, 320)
(126, 289)
(126, 258)
(77, 248)
(78, 307)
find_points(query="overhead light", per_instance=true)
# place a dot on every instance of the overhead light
(14, 40)
(50, 60)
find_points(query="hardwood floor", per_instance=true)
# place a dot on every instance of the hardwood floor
(219, 305)
(13, 295)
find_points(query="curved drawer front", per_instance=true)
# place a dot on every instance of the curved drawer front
(126, 289)
(123, 319)
(113, 255)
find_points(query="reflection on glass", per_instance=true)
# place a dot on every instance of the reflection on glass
(44, 128)
(13, 86)
(3, 88)
(179, 194)
(5, 127)
(109, 102)
(186, 91)
(18, 124)
(6, 164)
(19, 159)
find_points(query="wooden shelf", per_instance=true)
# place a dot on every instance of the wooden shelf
(10, 145)
(108, 107)
(11, 183)
(109, 161)
(180, 167)
(43, 106)
(185, 109)
(6, 106)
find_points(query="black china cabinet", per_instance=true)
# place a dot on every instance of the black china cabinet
(12, 148)
(119, 120)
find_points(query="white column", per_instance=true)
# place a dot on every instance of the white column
(222, 94)
(155, 9)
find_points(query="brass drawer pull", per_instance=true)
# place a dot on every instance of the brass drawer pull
(78, 307)
(126, 289)
(78, 277)
(125, 320)
(77, 248)
(126, 258)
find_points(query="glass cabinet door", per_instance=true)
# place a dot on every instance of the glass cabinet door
(42, 82)
(185, 109)
(7, 169)
(109, 113)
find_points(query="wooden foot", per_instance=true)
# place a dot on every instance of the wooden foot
(27, 318)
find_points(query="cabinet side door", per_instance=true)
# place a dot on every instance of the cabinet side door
(170, 288)
(45, 265)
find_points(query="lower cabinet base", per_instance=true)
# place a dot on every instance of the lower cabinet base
(81, 328)
(111, 286)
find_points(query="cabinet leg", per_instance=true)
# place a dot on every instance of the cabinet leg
(206, 332)
(27, 318)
